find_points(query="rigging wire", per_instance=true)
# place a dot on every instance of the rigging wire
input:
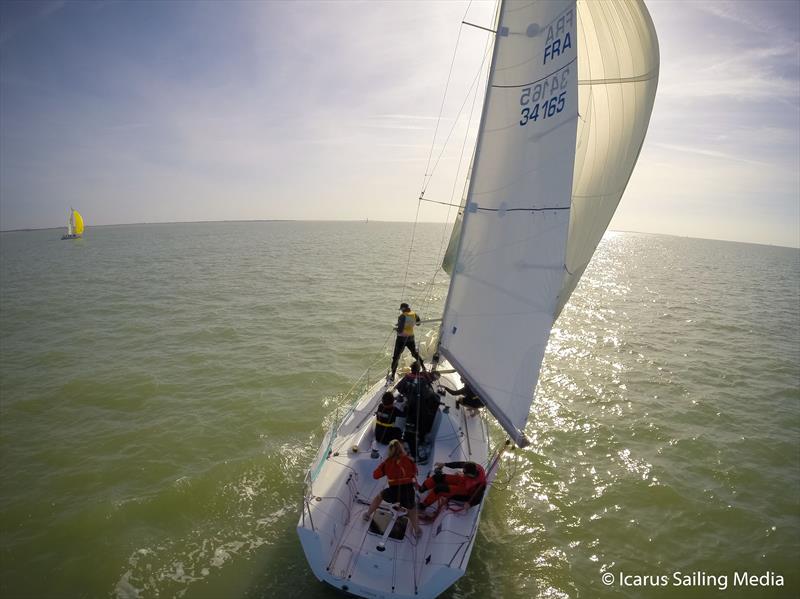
(509, 477)
(472, 91)
(437, 263)
(430, 154)
(444, 96)
(427, 176)
(455, 123)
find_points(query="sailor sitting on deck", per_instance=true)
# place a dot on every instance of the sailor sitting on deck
(468, 486)
(402, 473)
(388, 412)
(468, 398)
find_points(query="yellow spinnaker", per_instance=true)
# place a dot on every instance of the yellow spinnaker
(78, 221)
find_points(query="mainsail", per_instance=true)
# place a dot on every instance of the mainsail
(567, 105)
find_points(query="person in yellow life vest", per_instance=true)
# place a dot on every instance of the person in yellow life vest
(405, 337)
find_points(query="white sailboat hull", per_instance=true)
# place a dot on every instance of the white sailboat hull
(340, 546)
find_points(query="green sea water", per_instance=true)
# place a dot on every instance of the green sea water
(163, 389)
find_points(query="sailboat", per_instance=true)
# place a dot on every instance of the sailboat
(568, 100)
(74, 225)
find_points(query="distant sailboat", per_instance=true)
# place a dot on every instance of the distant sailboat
(569, 95)
(74, 226)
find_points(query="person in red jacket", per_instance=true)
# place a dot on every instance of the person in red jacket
(467, 485)
(402, 475)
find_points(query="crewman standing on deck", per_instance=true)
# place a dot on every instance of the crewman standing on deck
(405, 337)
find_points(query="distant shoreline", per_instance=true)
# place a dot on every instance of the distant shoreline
(290, 220)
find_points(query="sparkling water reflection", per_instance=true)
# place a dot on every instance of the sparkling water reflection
(159, 411)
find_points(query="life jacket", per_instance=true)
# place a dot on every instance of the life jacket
(408, 324)
(386, 415)
(466, 488)
(399, 472)
(478, 486)
(415, 385)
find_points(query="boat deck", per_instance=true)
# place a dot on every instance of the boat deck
(342, 549)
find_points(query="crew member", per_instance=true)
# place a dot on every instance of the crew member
(405, 337)
(468, 399)
(402, 475)
(467, 485)
(388, 412)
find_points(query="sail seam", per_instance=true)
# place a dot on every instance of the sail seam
(522, 209)
(538, 80)
(635, 79)
(499, 209)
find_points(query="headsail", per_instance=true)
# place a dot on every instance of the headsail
(449, 258)
(77, 222)
(529, 227)
(618, 63)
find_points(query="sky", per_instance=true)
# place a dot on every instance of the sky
(201, 111)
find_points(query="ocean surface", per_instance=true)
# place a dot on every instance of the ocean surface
(163, 389)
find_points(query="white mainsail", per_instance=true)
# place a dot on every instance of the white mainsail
(567, 107)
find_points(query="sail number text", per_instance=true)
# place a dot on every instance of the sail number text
(559, 39)
(543, 109)
(535, 101)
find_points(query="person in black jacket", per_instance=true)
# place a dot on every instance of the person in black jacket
(468, 399)
(422, 403)
(388, 412)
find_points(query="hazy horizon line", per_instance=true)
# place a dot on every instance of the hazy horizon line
(366, 221)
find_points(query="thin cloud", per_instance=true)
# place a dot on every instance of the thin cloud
(410, 117)
(708, 153)
(754, 86)
(12, 24)
(127, 126)
(742, 13)
(394, 126)
(50, 8)
(395, 145)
